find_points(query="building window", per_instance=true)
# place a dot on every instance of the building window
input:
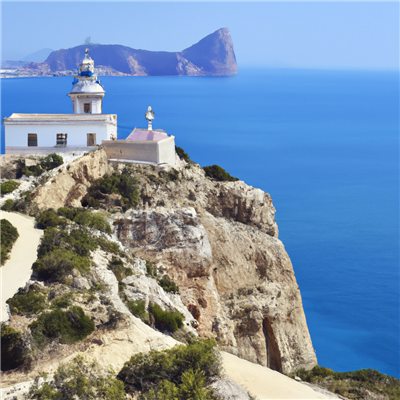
(32, 139)
(91, 139)
(61, 139)
(86, 108)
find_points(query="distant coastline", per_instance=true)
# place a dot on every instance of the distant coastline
(212, 56)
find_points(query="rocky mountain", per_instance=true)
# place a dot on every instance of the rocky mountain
(213, 55)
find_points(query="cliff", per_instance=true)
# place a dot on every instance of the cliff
(213, 55)
(218, 241)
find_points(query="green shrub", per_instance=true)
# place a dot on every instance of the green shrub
(32, 302)
(108, 246)
(218, 173)
(82, 380)
(78, 241)
(145, 371)
(9, 236)
(9, 186)
(168, 285)
(181, 154)
(90, 220)
(165, 320)
(67, 212)
(59, 263)
(8, 205)
(151, 269)
(49, 219)
(45, 164)
(120, 271)
(12, 350)
(62, 301)
(122, 184)
(353, 384)
(138, 309)
(67, 326)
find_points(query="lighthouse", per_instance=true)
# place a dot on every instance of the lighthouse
(87, 92)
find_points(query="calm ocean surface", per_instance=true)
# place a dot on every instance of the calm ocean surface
(325, 145)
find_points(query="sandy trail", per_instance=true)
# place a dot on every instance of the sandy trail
(264, 383)
(17, 270)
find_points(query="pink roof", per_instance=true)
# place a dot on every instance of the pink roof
(144, 134)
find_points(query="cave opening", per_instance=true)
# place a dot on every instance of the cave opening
(273, 353)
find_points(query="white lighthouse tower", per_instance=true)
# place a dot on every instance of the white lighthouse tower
(87, 93)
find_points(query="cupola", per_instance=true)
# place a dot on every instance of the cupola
(87, 92)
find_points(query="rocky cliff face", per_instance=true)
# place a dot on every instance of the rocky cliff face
(218, 241)
(213, 55)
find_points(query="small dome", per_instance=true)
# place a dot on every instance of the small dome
(87, 59)
(87, 87)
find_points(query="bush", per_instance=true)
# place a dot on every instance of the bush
(63, 301)
(181, 154)
(353, 384)
(67, 212)
(8, 205)
(9, 186)
(59, 263)
(90, 220)
(81, 380)
(144, 372)
(218, 173)
(108, 246)
(49, 219)
(138, 309)
(78, 241)
(51, 161)
(12, 353)
(119, 270)
(151, 269)
(67, 326)
(32, 302)
(122, 184)
(165, 320)
(168, 285)
(9, 236)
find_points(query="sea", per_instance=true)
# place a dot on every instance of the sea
(324, 144)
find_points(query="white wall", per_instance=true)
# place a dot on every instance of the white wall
(17, 135)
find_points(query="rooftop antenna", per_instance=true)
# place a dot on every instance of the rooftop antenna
(149, 116)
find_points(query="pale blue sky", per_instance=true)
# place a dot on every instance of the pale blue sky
(279, 34)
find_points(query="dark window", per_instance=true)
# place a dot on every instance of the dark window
(86, 108)
(91, 139)
(61, 139)
(32, 139)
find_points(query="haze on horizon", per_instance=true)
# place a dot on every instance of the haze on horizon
(337, 35)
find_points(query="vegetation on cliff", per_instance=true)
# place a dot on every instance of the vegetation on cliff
(12, 348)
(219, 174)
(353, 385)
(177, 373)
(83, 380)
(9, 236)
(45, 164)
(67, 326)
(8, 187)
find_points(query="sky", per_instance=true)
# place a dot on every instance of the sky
(318, 34)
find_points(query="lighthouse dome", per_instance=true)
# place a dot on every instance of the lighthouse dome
(87, 87)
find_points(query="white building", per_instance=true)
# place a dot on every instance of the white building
(86, 127)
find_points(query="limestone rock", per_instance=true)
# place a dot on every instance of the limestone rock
(70, 185)
(237, 281)
(227, 389)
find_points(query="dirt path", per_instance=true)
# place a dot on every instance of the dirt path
(17, 270)
(264, 383)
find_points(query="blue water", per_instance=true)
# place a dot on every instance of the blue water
(325, 145)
